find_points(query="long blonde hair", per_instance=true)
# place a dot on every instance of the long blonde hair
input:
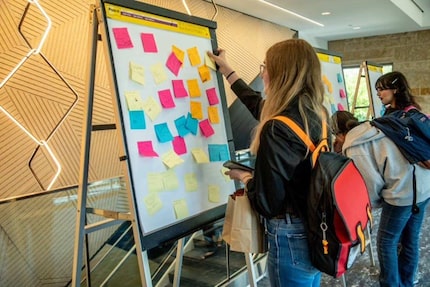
(294, 70)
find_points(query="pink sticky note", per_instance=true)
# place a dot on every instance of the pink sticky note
(122, 38)
(173, 64)
(166, 99)
(212, 96)
(148, 42)
(340, 107)
(342, 94)
(145, 149)
(179, 89)
(179, 145)
(206, 128)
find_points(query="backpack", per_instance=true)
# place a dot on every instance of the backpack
(338, 207)
(409, 129)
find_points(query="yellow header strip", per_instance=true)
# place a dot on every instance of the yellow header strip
(374, 68)
(142, 18)
(329, 58)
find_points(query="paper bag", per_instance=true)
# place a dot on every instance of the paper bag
(243, 230)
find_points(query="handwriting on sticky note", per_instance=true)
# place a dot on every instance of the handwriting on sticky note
(122, 38)
(137, 73)
(193, 55)
(134, 101)
(152, 203)
(145, 149)
(148, 42)
(151, 107)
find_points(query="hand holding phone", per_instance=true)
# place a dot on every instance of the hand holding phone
(230, 164)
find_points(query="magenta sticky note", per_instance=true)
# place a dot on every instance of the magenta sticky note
(122, 38)
(206, 128)
(179, 145)
(148, 43)
(173, 64)
(166, 99)
(340, 107)
(145, 149)
(342, 94)
(212, 96)
(179, 89)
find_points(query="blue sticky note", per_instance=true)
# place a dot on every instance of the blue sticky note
(218, 152)
(180, 126)
(137, 120)
(163, 133)
(192, 124)
(339, 78)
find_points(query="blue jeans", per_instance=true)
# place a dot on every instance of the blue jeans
(399, 225)
(288, 256)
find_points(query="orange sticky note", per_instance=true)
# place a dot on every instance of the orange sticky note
(205, 73)
(193, 55)
(213, 115)
(196, 110)
(179, 53)
(193, 88)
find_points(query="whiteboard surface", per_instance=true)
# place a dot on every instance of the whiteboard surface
(374, 72)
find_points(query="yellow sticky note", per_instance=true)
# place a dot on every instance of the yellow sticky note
(193, 88)
(196, 110)
(158, 73)
(134, 101)
(193, 55)
(137, 73)
(151, 107)
(155, 182)
(213, 193)
(170, 180)
(213, 114)
(181, 208)
(171, 159)
(327, 82)
(204, 73)
(226, 177)
(191, 183)
(178, 53)
(209, 62)
(199, 155)
(152, 203)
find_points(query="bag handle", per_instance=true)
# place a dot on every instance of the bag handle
(323, 144)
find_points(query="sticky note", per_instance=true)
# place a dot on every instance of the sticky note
(193, 55)
(206, 128)
(339, 78)
(137, 73)
(204, 73)
(134, 101)
(151, 107)
(179, 89)
(196, 110)
(173, 64)
(179, 53)
(213, 193)
(181, 209)
(152, 203)
(137, 120)
(179, 145)
(193, 88)
(192, 124)
(191, 183)
(212, 96)
(342, 94)
(218, 152)
(213, 115)
(199, 155)
(163, 133)
(158, 73)
(340, 107)
(170, 180)
(145, 149)
(209, 62)
(122, 38)
(226, 177)
(180, 126)
(155, 182)
(171, 159)
(148, 43)
(166, 99)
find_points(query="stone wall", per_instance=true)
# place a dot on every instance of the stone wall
(409, 53)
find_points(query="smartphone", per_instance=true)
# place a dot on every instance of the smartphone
(230, 164)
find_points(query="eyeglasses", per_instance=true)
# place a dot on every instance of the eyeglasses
(262, 68)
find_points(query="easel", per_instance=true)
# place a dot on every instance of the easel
(364, 73)
(82, 229)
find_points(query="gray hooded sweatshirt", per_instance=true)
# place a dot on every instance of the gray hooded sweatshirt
(387, 173)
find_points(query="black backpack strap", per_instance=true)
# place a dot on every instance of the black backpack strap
(415, 208)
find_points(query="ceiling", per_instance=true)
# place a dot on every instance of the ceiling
(374, 17)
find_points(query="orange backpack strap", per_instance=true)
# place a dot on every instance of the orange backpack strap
(298, 130)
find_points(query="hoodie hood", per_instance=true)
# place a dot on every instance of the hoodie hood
(362, 133)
